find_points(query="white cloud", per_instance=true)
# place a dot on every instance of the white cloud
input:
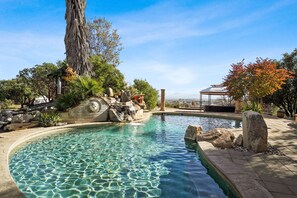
(167, 21)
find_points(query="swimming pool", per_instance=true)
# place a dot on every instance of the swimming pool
(130, 160)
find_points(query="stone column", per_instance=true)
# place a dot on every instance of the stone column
(162, 100)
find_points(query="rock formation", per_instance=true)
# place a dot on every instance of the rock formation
(95, 109)
(239, 140)
(225, 140)
(192, 132)
(219, 137)
(255, 132)
(18, 119)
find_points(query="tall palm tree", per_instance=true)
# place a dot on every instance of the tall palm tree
(76, 43)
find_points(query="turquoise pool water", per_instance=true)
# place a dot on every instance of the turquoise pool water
(132, 160)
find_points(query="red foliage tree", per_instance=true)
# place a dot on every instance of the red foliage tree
(255, 80)
(235, 81)
(264, 78)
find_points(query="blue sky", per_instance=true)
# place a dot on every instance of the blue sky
(180, 45)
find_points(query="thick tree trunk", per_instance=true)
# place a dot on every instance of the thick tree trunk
(76, 43)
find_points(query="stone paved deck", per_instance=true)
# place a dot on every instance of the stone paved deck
(258, 175)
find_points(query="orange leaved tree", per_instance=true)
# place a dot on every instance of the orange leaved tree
(235, 81)
(264, 78)
(255, 80)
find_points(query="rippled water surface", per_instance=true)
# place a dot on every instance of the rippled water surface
(132, 160)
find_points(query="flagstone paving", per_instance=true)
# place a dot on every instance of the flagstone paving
(262, 175)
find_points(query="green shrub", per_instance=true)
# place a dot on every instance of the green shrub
(85, 86)
(48, 119)
(150, 94)
(108, 75)
(5, 104)
(254, 106)
(78, 90)
(67, 100)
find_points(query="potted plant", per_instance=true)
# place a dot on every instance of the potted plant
(280, 113)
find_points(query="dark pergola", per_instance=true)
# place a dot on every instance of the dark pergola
(214, 90)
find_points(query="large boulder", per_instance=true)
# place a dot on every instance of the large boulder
(210, 135)
(91, 110)
(27, 117)
(17, 118)
(110, 92)
(6, 116)
(19, 126)
(239, 140)
(116, 116)
(139, 114)
(126, 96)
(254, 131)
(21, 118)
(225, 140)
(192, 132)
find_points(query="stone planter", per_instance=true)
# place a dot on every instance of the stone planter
(280, 113)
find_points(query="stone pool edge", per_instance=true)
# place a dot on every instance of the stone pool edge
(242, 185)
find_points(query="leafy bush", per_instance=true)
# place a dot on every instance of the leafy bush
(78, 90)
(150, 94)
(67, 100)
(48, 119)
(85, 87)
(108, 75)
(254, 106)
(5, 104)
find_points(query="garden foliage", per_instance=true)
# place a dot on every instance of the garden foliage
(286, 97)
(107, 75)
(78, 90)
(150, 94)
(48, 119)
(104, 41)
(255, 81)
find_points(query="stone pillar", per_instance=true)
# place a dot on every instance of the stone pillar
(162, 100)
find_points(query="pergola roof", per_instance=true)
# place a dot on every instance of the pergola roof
(214, 90)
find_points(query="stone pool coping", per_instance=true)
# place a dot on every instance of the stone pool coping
(255, 175)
